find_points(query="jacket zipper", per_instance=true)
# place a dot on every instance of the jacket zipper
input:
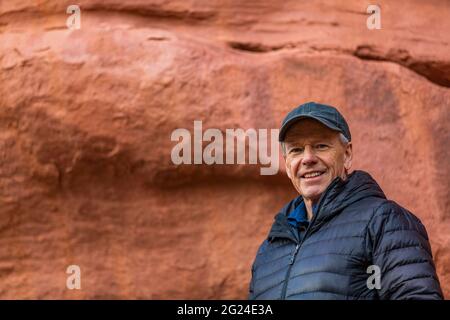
(294, 254)
(288, 273)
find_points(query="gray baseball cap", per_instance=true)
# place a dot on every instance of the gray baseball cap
(327, 115)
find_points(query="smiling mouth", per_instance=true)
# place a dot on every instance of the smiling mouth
(312, 175)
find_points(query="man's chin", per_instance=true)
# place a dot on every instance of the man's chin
(312, 195)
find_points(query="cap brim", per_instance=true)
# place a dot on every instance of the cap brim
(285, 127)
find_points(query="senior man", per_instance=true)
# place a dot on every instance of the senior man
(340, 238)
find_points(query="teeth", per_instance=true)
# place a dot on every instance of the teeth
(312, 174)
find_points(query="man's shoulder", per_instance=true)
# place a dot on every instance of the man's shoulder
(365, 207)
(387, 207)
(390, 213)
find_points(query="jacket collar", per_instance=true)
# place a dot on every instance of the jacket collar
(338, 195)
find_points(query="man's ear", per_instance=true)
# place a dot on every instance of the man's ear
(348, 156)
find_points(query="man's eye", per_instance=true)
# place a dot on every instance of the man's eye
(295, 150)
(321, 146)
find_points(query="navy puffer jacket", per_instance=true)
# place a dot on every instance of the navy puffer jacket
(354, 227)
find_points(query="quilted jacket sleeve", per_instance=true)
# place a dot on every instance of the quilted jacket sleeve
(250, 288)
(399, 246)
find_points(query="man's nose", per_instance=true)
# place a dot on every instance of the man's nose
(309, 156)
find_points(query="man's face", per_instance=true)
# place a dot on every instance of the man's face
(315, 155)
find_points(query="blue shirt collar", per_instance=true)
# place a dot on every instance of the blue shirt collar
(299, 217)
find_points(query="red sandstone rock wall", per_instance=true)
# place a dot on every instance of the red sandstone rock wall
(86, 116)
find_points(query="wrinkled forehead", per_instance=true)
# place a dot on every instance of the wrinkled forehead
(309, 130)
